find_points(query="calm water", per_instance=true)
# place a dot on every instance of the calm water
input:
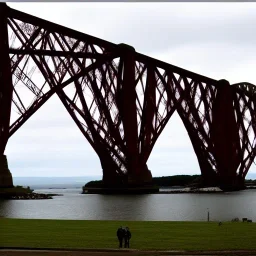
(175, 207)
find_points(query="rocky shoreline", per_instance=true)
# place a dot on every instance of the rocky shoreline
(151, 190)
(29, 196)
(191, 190)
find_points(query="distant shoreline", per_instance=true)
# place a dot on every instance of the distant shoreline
(162, 190)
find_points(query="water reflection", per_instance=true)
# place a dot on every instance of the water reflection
(175, 207)
(123, 207)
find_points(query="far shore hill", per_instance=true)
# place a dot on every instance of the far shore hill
(171, 181)
(164, 181)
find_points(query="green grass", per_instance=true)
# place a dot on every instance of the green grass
(147, 235)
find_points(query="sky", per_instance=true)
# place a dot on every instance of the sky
(216, 40)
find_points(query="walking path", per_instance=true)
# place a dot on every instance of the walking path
(115, 252)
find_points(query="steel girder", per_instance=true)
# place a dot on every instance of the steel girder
(121, 100)
(5, 83)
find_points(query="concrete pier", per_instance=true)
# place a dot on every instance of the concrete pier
(5, 174)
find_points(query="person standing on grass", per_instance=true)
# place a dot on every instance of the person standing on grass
(127, 237)
(120, 236)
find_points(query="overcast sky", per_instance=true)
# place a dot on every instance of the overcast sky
(214, 39)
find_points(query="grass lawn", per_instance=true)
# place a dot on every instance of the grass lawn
(146, 235)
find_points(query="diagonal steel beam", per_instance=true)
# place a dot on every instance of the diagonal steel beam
(47, 95)
(57, 53)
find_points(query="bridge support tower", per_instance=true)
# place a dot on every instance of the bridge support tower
(5, 97)
(138, 175)
(224, 134)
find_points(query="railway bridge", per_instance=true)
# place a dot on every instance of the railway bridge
(121, 101)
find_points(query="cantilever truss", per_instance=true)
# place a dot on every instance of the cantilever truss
(121, 100)
(244, 97)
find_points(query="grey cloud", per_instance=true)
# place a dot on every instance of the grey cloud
(218, 61)
(56, 171)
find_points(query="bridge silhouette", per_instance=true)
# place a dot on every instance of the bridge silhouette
(121, 101)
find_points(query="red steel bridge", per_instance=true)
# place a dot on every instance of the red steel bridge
(121, 101)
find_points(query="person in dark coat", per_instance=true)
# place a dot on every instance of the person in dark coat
(120, 236)
(127, 237)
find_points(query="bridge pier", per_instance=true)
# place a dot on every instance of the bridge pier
(231, 183)
(5, 174)
(126, 184)
(123, 182)
(112, 179)
(143, 178)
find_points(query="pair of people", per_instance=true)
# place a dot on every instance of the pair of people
(124, 235)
